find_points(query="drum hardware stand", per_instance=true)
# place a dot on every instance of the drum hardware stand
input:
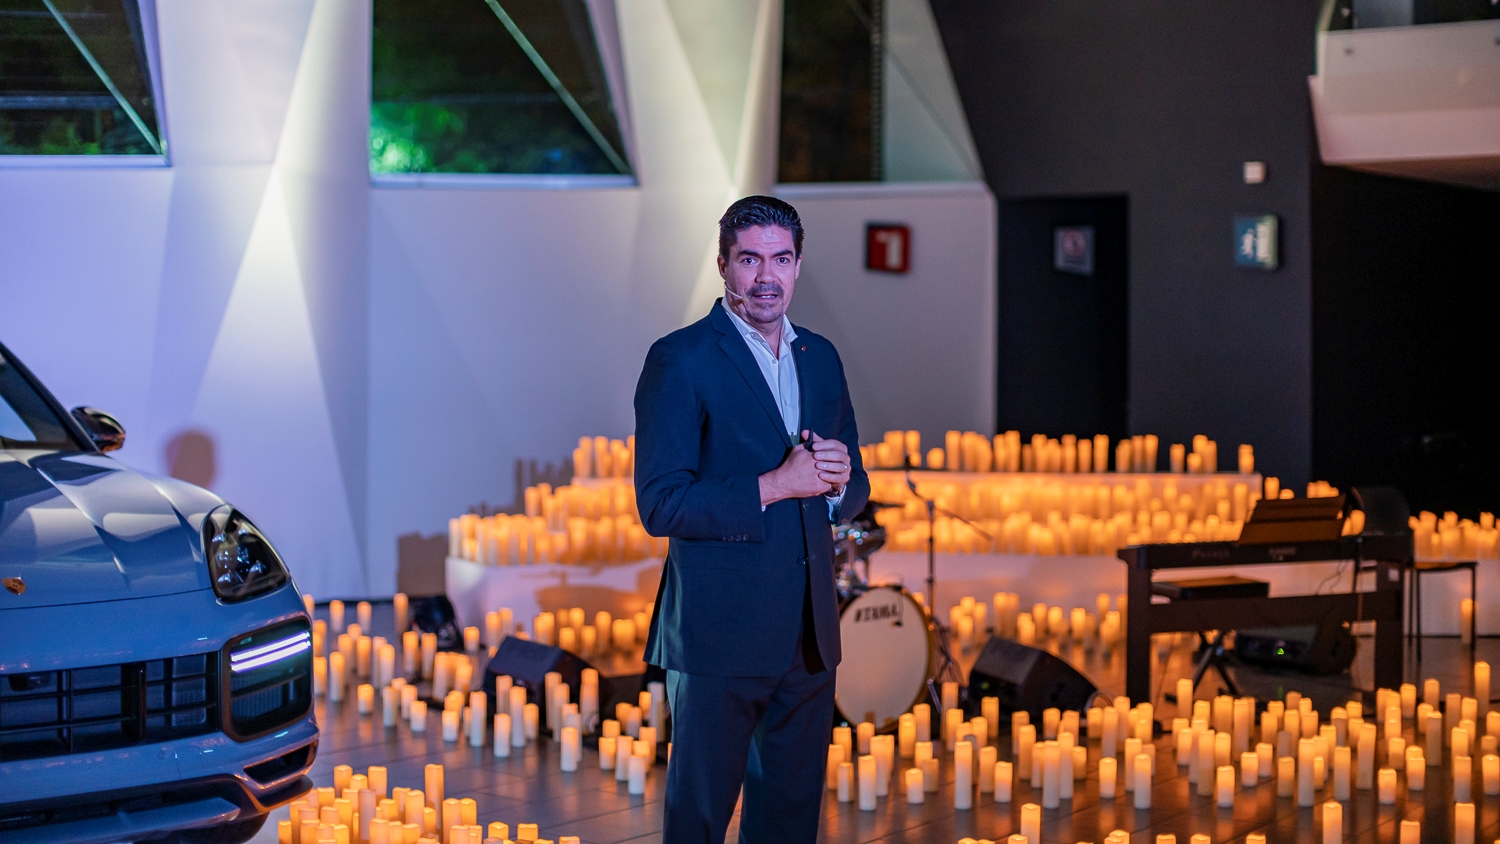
(948, 666)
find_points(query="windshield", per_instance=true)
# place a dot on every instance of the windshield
(26, 419)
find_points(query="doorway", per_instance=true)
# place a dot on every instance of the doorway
(1064, 316)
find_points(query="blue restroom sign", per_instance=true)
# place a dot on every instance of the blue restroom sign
(1255, 242)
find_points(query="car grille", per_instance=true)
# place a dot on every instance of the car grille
(79, 710)
(270, 678)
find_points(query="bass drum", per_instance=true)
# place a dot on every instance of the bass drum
(888, 654)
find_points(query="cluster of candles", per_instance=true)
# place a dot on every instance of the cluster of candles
(567, 629)
(1452, 538)
(523, 539)
(1033, 514)
(968, 451)
(1105, 626)
(360, 809)
(602, 457)
(1290, 748)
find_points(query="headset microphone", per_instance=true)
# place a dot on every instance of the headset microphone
(732, 294)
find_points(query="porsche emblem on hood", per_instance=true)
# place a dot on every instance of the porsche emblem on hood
(14, 585)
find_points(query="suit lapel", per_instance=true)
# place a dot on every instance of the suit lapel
(739, 354)
(797, 350)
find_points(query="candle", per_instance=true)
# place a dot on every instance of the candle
(624, 749)
(571, 749)
(1411, 832)
(1466, 621)
(1364, 777)
(1490, 771)
(1459, 741)
(1107, 777)
(1184, 746)
(1205, 762)
(362, 656)
(362, 612)
(922, 714)
(418, 711)
(930, 774)
(979, 731)
(336, 615)
(1463, 778)
(1463, 823)
(862, 734)
(867, 783)
(637, 778)
(1333, 821)
(1051, 716)
(990, 708)
(1024, 752)
(1341, 773)
(1265, 754)
(1142, 781)
(1305, 756)
(390, 706)
(1222, 748)
(830, 771)
(399, 604)
(1250, 768)
(1031, 822)
(530, 716)
(336, 675)
(450, 725)
(1050, 756)
(1005, 779)
(1416, 769)
(1408, 695)
(1111, 732)
(1244, 717)
(1286, 776)
(471, 640)
(844, 736)
(1065, 748)
(846, 773)
(1434, 751)
(906, 733)
(1225, 777)
(366, 693)
(914, 790)
(963, 765)
(988, 756)
(1386, 790)
(883, 748)
(1482, 688)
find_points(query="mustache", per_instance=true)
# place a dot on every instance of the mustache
(761, 289)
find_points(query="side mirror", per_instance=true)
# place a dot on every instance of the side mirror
(106, 431)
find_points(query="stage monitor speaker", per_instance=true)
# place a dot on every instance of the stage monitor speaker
(1026, 679)
(1326, 648)
(528, 662)
(435, 615)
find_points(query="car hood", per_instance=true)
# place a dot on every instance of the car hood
(81, 527)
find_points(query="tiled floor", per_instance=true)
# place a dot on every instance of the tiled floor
(529, 787)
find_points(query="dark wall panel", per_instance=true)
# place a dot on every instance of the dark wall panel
(1163, 102)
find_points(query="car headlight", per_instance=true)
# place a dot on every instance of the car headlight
(241, 561)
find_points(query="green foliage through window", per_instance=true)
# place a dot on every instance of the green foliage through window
(74, 79)
(830, 91)
(456, 90)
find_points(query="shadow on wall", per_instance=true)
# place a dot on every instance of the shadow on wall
(189, 456)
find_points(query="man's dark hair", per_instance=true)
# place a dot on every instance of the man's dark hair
(755, 211)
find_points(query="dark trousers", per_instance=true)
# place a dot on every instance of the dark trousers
(770, 734)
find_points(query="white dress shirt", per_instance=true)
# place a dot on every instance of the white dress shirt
(780, 371)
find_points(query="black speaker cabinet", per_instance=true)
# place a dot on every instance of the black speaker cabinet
(528, 662)
(1026, 679)
(1322, 649)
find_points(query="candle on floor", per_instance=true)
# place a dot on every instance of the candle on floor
(1341, 773)
(471, 639)
(1108, 787)
(1490, 770)
(571, 749)
(1463, 779)
(1224, 774)
(637, 779)
(450, 725)
(1416, 769)
(366, 693)
(1286, 776)
(1333, 822)
(830, 771)
(1142, 781)
(845, 737)
(906, 733)
(432, 777)
(1411, 832)
(914, 790)
(883, 748)
(1026, 748)
(320, 676)
(418, 711)
(1305, 757)
(1109, 736)
(399, 603)
(863, 732)
(530, 716)
(867, 783)
(1205, 763)
(1250, 768)
(362, 612)
(1463, 823)
(478, 704)
(390, 706)
(502, 734)
(1185, 698)
(1395, 753)
(1005, 779)
(846, 774)
(1386, 792)
(988, 756)
(1466, 621)
(1031, 822)
(963, 766)
(1184, 747)
(337, 673)
(930, 781)
(336, 615)
(990, 708)
(1364, 776)
(362, 656)
(1434, 750)
(922, 713)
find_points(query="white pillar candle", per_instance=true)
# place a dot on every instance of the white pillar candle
(1466, 621)
(1463, 823)
(1095, 722)
(362, 656)
(1025, 748)
(1111, 732)
(609, 748)
(366, 693)
(1031, 822)
(1434, 751)
(1364, 776)
(419, 716)
(1408, 696)
(637, 778)
(845, 788)
(1482, 688)
(1005, 780)
(1142, 781)
(1416, 769)
(922, 713)
(990, 708)
(1050, 764)
(1051, 716)
(863, 733)
(337, 673)
(1268, 727)
(390, 706)
(963, 765)
(1490, 770)
(411, 653)
(979, 731)
(845, 736)
(479, 704)
(1184, 747)
(1185, 698)
(1223, 746)
(1265, 754)
(362, 612)
(1065, 748)
(914, 791)
(1341, 773)
(1132, 750)
(320, 676)
(1452, 710)
(1224, 776)
(336, 615)
(1250, 768)
(623, 748)
(1244, 718)
(1411, 832)
(1386, 788)
(1107, 779)
(867, 783)
(884, 750)
(1458, 741)
(1333, 822)
(1463, 779)
(1205, 762)
(450, 725)
(1286, 776)
(572, 750)
(930, 781)
(502, 734)
(1305, 756)
(530, 717)
(988, 756)
(906, 733)
(831, 770)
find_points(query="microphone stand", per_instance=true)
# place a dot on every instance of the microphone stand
(948, 668)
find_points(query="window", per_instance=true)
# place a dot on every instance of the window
(75, 79)
(831, 91)
(490, 86)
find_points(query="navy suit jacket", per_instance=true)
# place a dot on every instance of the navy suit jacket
(706, 427)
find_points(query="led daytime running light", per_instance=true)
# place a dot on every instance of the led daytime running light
(269, 653)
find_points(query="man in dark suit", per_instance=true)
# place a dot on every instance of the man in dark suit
(746, 452)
